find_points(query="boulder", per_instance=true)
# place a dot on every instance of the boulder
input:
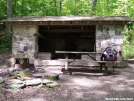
(15, 83)
(50, 76)
(12, 69)
(33, 82)
(46, 81)
(1, 80)
(39, 75)
(10, 62)
(53, 85)
(25, 73)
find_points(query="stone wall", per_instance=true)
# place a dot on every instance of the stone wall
(24, 41)
(109, 36)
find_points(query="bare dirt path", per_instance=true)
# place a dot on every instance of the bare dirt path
(81, 87)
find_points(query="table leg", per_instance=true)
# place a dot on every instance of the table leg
(100, 66)
(66, 63)
(106, 71)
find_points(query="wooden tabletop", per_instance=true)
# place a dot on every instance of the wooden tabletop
(73, 52)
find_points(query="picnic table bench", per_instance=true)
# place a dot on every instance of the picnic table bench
(100, 62)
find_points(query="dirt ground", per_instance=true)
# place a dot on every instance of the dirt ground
(118, 86)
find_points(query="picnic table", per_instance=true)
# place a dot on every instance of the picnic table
(100, 61)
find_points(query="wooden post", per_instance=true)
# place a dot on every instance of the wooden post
(106, 71)
(101, 64)
(121, 59)
(66, 62)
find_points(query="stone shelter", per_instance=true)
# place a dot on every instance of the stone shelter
(37, 38)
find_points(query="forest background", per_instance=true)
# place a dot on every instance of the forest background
(19, 8)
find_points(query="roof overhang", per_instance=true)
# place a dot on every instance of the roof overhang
(69, 20)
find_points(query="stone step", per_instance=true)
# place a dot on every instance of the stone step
(53, 76)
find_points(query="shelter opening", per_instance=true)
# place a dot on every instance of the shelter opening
(66, 38)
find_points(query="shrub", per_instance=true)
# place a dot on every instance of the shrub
(5, 41)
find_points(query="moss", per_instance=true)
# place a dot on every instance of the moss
(51, 86)
(53, 77)
(26, 74)
(15, 88)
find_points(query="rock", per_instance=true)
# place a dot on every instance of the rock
(33, 82)
(26, 74)
(12, 69)
(1, 80)
(31, 69)
(14, 83)
(4, 71)
(14, 73)
(10, 62)
(53, 85)
(12, 86)
(25, 78)
(46, 81)
(39, 75)
(128, 63)
(40, 70)
(52, 76)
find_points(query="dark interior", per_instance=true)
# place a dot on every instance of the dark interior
(66, 38)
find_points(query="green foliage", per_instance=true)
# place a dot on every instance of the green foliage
(25, 74)
(2, 9)
(67, 8)
(128, 46)
(54, 77)
(51, 86)
(5, 41)
(128, 50)
(121, 8)
(15, 88)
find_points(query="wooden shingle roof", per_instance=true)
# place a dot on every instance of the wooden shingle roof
(69, 18)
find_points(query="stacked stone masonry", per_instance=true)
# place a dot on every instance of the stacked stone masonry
(24, 41)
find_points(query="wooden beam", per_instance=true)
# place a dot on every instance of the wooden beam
(40, 35)
(65, 30)
(68, 23)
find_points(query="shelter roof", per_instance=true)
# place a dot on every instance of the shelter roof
(70, 18)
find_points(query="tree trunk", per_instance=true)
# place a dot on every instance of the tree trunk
(61, 7)
(55, 4)
(93, 6)
(75, 8)
(9, 8)
(22, 8)
(9, 13)
(14, 7)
